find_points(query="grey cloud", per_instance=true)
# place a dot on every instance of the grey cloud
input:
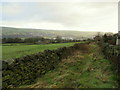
(73, 13)
(99, 16)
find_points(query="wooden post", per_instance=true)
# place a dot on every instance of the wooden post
(118, 39)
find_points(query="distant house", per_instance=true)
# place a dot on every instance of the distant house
(118, 39)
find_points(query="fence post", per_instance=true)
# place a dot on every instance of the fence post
(118, 39)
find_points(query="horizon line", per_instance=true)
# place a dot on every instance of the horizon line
(55, 29)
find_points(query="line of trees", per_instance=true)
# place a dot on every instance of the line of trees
(107, 38)
(12, 40)
(37, 40)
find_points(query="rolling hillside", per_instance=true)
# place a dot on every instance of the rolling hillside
(24, 33)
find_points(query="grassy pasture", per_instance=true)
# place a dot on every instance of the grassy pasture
(11, 51)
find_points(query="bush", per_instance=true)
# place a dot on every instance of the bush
(112, 52)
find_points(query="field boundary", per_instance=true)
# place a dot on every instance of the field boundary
(24, 71)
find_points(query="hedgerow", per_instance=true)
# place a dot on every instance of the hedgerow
(112, 52)
(24, 71)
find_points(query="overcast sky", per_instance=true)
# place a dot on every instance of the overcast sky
(82, 16)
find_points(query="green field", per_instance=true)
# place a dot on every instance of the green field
(11, 51)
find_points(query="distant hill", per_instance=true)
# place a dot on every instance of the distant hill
(10, 32)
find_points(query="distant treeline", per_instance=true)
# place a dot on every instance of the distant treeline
(37, 40)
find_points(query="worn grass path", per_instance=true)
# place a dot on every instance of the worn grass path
(83, 70)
